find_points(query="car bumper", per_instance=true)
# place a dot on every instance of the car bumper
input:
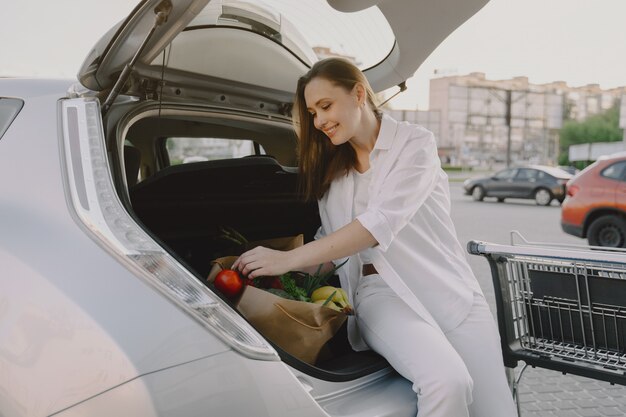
(572, 229)
(559, 192)
(224, 384)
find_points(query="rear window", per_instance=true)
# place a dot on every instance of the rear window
(527, 174)
(557, 172)
(9, 108)
(615, 171)
(189, 150)
(506, 174)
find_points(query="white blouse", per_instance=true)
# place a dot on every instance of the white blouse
(408, 212)
(361, 196)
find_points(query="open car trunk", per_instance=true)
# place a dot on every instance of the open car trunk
(185, 206)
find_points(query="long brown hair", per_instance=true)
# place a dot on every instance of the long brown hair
(320, 162)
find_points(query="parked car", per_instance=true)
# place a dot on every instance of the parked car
(105, 244)
(570, 169)
(595, 207)
(541, 183)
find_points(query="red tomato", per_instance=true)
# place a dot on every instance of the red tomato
(276, 283)
(229, 283)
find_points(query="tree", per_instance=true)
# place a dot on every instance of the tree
(602, 127)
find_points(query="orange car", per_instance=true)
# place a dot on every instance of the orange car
(595, 206)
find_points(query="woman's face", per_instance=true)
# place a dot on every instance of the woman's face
(335, 111)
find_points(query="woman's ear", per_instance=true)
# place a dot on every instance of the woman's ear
(360, 94)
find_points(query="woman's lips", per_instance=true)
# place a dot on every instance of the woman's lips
(331, 131)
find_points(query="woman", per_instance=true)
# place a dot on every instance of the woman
(384, 204)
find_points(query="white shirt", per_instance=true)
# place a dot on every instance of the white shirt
(361, 197)
(408, 213)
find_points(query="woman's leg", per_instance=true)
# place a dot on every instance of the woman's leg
(419, 352)
(477, 341)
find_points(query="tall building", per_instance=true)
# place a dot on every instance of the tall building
(476, 114)
(431, 120)
(474, 127)
(590, 99)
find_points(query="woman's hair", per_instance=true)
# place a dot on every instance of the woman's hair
(320, 162)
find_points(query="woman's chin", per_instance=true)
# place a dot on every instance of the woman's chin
(337, 140)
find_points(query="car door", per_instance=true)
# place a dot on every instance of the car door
(194, 62)
(501, 184)
(620, 189)
(524, 182)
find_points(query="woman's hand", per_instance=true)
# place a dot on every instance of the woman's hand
(262, 261)
(348, 240)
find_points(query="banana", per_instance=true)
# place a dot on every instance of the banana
(344, 296)
(322, 293)
(339, 300)
(329, 305)
(347, 308)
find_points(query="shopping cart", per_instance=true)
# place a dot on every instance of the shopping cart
(560, 307)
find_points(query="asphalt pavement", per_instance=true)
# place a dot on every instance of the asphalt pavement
(542, 392)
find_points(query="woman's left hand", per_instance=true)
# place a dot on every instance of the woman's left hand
(262, 261)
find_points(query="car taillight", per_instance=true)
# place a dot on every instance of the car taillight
(102, 215)
(572, 190)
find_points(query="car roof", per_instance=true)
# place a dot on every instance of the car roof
(617, 155)
(554, 171)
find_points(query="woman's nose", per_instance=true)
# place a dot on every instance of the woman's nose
(319, 122)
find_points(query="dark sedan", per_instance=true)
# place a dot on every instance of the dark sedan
(541, 183)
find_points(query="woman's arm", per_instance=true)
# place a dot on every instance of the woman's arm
(350, 239)
(326, 267)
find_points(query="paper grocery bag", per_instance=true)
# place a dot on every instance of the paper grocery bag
(220, 264)
(280, 243)
(298, 327)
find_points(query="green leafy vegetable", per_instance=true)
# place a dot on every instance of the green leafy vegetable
(312, 282)
(290, 286)
(231, 234)
(280, 293)
(330, 297)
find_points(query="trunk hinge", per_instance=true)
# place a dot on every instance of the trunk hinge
(162, 11)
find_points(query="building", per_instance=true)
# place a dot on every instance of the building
(475, 126)
(591, 99)
(476, 114)
(431, 120)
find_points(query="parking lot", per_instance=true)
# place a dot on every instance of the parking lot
(542, 392)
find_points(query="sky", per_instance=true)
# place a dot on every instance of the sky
(577, 41)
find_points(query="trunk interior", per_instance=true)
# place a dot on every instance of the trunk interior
(185, 206)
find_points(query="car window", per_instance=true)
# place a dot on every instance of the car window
(506, 174)
(525, 174)
(9, 108)
(615, 171)
(187, 150)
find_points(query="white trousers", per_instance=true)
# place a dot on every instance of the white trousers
(458, 374)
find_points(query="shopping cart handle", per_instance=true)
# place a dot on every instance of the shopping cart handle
(475, 247)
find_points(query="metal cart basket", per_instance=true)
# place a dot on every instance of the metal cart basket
(561, 308)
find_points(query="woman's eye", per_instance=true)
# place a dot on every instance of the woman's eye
(325, 106)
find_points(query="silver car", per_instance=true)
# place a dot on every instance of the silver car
(106, 235)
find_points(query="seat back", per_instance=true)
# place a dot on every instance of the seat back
(187, 205)
(132, 162)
